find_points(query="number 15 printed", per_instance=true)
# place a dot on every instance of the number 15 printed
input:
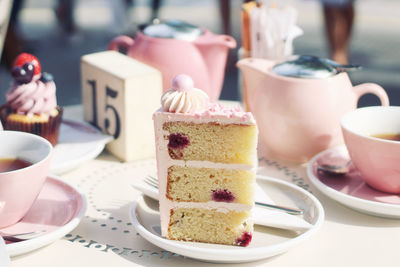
(110, 93)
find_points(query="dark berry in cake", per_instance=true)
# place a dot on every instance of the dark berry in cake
(245, 240)
(178, 141)
(46, 77)
(23, 74)
(223, 195)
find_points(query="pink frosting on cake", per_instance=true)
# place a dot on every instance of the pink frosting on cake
(217, 109)
(34, 97)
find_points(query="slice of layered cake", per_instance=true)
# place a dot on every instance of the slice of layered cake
(206, 160)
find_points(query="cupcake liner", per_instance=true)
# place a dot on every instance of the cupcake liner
(49, 129)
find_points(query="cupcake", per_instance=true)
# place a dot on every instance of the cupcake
(31, 101)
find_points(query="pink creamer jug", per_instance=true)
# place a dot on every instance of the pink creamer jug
(299, 115)
(175, 47)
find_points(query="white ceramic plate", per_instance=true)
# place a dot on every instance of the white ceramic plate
(350, 189)
(58, 210)
(78, 142)
(266, 241)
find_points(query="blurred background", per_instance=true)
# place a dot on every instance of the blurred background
(45, 29)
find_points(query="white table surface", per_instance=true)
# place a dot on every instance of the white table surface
(105, 236)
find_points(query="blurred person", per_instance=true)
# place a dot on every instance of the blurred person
(14, 43)
(65, 15)
(225, 10)
(338, 16)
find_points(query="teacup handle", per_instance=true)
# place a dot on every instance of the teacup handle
(121, 41)
(372, 88)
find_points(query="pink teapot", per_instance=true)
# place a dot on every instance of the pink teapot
(298, 104)
(175, 47)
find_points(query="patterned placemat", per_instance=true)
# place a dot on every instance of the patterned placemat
(106, 227)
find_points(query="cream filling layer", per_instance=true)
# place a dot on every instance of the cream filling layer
(210, 165)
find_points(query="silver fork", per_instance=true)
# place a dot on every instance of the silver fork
(153, 182)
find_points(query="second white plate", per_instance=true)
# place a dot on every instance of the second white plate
(78, 142)
(266, 242)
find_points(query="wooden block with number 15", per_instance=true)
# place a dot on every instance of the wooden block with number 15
(120, 95)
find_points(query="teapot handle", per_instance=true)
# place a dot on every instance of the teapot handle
(229, 41)
(372, 88)
(211, 39)
(123, 41)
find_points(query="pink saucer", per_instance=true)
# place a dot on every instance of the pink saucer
(57, 210)
(350, 189)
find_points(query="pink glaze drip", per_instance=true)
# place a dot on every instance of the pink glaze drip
(35, 97)
(245, 240)
(223, 196)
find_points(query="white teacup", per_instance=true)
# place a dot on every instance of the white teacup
(377, 159)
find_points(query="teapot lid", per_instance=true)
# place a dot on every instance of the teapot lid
(311, 67)
(173, 29)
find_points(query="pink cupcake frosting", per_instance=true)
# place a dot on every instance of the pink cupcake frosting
(35, 97)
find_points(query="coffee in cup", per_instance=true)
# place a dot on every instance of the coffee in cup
(12, 164)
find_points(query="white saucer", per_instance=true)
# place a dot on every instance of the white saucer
(266, 241)
(78, 142)
(58, 210)
(349, 189)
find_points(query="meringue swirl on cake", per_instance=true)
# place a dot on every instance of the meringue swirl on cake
(183, 97)
(35, 97)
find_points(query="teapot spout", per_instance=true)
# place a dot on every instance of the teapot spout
(257, 68)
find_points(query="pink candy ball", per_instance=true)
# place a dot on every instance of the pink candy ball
(182, 83)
